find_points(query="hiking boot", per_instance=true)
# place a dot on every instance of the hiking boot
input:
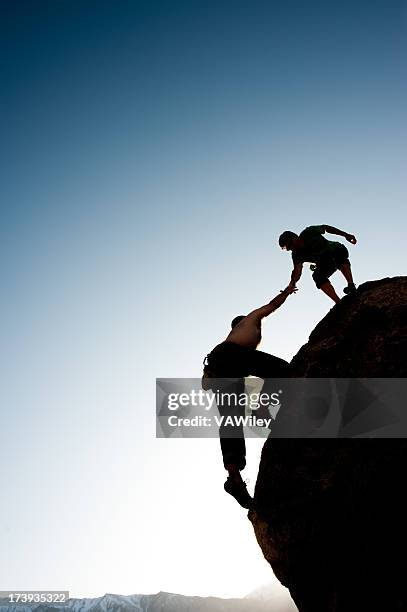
(238, 490)
(351, 288)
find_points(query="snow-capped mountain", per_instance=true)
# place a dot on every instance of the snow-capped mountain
(161, 602)
(276, 596)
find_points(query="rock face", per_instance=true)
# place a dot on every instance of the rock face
(365, 335)
(331, 514)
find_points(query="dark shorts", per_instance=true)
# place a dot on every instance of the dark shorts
(329, 263)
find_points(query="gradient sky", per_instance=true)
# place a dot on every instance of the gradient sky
(152, 154)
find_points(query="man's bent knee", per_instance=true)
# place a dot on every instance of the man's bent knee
(319, 279)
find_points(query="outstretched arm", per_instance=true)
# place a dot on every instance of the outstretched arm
(334, 230)
(295, 276)
(275, 303)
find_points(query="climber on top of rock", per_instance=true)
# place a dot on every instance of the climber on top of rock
(326, 255)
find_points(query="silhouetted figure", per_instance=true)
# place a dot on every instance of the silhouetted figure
(234, 359)
(328, 256)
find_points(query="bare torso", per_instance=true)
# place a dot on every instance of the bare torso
(246, 333)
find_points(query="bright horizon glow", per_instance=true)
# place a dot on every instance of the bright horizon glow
(153, 153)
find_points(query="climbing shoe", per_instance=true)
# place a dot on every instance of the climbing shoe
(238, 490)
(350, 289)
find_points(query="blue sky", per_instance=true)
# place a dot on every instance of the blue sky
(152, 153)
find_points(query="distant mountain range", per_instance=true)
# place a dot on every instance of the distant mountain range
(161, 602)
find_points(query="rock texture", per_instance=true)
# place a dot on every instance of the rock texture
(330, 513)
(365, 335)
